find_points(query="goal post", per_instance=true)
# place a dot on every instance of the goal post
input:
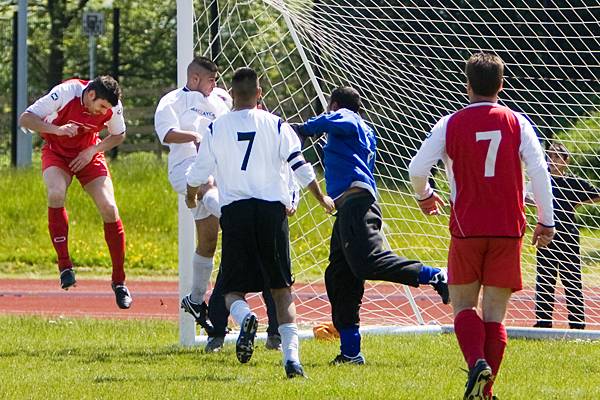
(406, 58)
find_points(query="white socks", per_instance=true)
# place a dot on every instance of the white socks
(211, 202)
(201, 269)
(238, 311)
(289, 342)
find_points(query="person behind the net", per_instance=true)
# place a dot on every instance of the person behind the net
(483, 146)
(250, 151)
(356, 249)
(69, 119)
(180, 118)
(562, 256)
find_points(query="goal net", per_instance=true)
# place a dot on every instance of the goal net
(406, 58)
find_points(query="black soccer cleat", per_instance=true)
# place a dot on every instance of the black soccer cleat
(440, 283)
(340, 359)
(294, 370)
(479, 376)
(67, 278)
(200, 313)
(122, 296)
(244, 347)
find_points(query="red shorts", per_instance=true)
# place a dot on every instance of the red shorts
(96, 168)
(491, 261)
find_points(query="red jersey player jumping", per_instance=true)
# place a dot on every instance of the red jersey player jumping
(483, 146)
(69, 119)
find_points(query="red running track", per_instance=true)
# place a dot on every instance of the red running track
(387, 303)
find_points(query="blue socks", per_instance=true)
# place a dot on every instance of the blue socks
(427, 274)
(350, 341)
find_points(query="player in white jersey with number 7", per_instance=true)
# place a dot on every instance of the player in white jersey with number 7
(249, 151)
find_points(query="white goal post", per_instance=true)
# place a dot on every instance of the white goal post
(406, 58)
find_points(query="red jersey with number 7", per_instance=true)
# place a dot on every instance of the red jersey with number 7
(64, 105)
(483, 143)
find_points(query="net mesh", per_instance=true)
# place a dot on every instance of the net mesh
(406, 58)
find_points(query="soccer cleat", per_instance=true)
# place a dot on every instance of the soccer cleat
(440, 283)
(214, 344)
(294, 369)
(199, 311)
(67, 278)
(244, 347)
(273, 341)
(479, 376)
(122, 296)
(340, 359)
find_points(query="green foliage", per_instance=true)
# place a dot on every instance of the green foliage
(47, 358)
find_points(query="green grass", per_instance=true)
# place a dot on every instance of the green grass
(42, 358)
(148, 207)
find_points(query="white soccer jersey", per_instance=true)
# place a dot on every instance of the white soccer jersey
(250, 152)
(186, 110)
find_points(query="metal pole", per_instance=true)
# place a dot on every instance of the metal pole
(15, 78)
(92, 50)
(186, 238)
(24, 140)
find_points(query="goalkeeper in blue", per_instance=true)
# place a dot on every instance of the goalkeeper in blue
(356, 249)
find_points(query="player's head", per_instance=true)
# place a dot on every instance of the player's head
(558, 158)
(345, 97)
(202, 75)
(101, 94)
(485, 73)
(245, 88)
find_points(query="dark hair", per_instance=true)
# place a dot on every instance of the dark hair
(560, 149)
(346, 97)
(485, 72)
(205, 63)
(244, 83)
(106, 88)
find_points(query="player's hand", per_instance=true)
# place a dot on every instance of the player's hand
(542, 236)
(82, 159)
(432, 204)
(69, 130)
(328, 204)
(289, 211)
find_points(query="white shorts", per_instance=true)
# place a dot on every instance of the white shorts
(178, 181)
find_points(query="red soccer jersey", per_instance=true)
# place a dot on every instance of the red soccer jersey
(63, 105)
(483, 143)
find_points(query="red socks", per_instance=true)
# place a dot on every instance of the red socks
(470, 333)
(495, 343)
(480, 340)
(58, 226)
(115, 239)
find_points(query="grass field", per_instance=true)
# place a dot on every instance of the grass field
(148, 208)
(43, 358)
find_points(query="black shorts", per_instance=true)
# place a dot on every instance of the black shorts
(255, 246)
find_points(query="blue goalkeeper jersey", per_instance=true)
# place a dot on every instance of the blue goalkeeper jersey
(349, 155)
